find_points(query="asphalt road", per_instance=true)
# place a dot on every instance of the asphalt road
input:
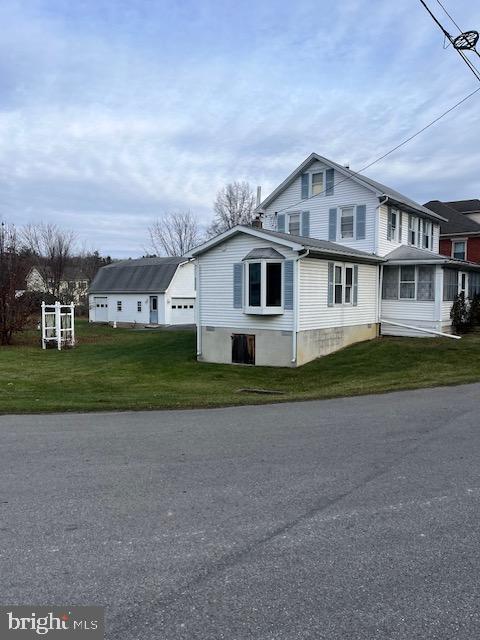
(356, 518)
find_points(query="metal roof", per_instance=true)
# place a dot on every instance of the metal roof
(405, 254)
(146, 275)
(378, 187)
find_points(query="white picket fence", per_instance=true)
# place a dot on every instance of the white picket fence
(58, 325)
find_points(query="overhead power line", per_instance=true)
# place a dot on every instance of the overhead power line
(398, 146)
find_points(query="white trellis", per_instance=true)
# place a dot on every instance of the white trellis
(58, 325)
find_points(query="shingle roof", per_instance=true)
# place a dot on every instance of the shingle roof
(146, 275)
(465, 206)
(380, 188)
(264, 253)
(456, 222)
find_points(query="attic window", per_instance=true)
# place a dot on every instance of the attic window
(317, 183)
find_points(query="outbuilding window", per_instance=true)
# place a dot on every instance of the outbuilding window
(119, 305)
(139, 306)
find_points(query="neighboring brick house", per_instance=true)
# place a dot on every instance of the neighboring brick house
(460, 234)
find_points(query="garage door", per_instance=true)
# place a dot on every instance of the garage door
(101, 309)
(183, 310)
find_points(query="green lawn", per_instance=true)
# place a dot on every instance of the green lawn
(123, 369)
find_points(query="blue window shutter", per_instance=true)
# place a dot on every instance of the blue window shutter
(281, 222)
(329, 178)
(288, 284)
(330, 284)
(305, 180)
(361, 221)
(305, 223)
(238, 285)
(355, 285)
(332, 224)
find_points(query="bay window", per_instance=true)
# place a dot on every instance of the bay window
(264, 287)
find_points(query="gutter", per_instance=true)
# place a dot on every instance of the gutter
(296, 297)
(422, 329)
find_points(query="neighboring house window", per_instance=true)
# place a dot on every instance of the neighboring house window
(119, 305)
(347, 222)
(392, 224)
(264, 284)
(412, 230)
(407, 283)
(317, 184)
(473, 284)
(427, 240)
(450, 284)
(139, 306)
(459, 249)
(294, 224)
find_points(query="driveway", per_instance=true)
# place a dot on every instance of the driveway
(355, 518)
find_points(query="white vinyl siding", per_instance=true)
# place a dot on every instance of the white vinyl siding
(129, 304)
(314, 312)
(347, 193)
(385, 245)
(215, 287)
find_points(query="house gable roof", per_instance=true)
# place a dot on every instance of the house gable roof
(146, 275)
(377, 187)
(455, 222)
(323, 248)
(465, 206)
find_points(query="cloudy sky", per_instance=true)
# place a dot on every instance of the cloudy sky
(113, 112)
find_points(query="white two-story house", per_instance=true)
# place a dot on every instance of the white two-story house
(336, 258)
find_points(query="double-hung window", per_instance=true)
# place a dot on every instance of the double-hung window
(427, 235)
(392, 225)
(412, 230)
(348, 285)
(407, 283)
(459, 249)
(343, 284)
(347, 219)
(317, 183)
(294, 224)
(338, 285)
(264, 290)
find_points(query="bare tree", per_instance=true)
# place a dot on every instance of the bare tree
(233, 205)
(175, 234)
(15, 307)
(52, 247)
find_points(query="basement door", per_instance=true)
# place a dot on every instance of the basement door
(243, 348)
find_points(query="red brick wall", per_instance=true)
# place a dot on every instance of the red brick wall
(473, 248)
(445, 247)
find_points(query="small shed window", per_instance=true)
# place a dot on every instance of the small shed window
(119, 305)
(139, 306)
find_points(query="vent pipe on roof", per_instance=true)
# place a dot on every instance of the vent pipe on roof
(347, 165)
(259, 195)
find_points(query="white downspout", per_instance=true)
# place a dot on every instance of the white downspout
(296, 298)
(197, 307)
(422, 329)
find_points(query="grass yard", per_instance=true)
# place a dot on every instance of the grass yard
(116, 369)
